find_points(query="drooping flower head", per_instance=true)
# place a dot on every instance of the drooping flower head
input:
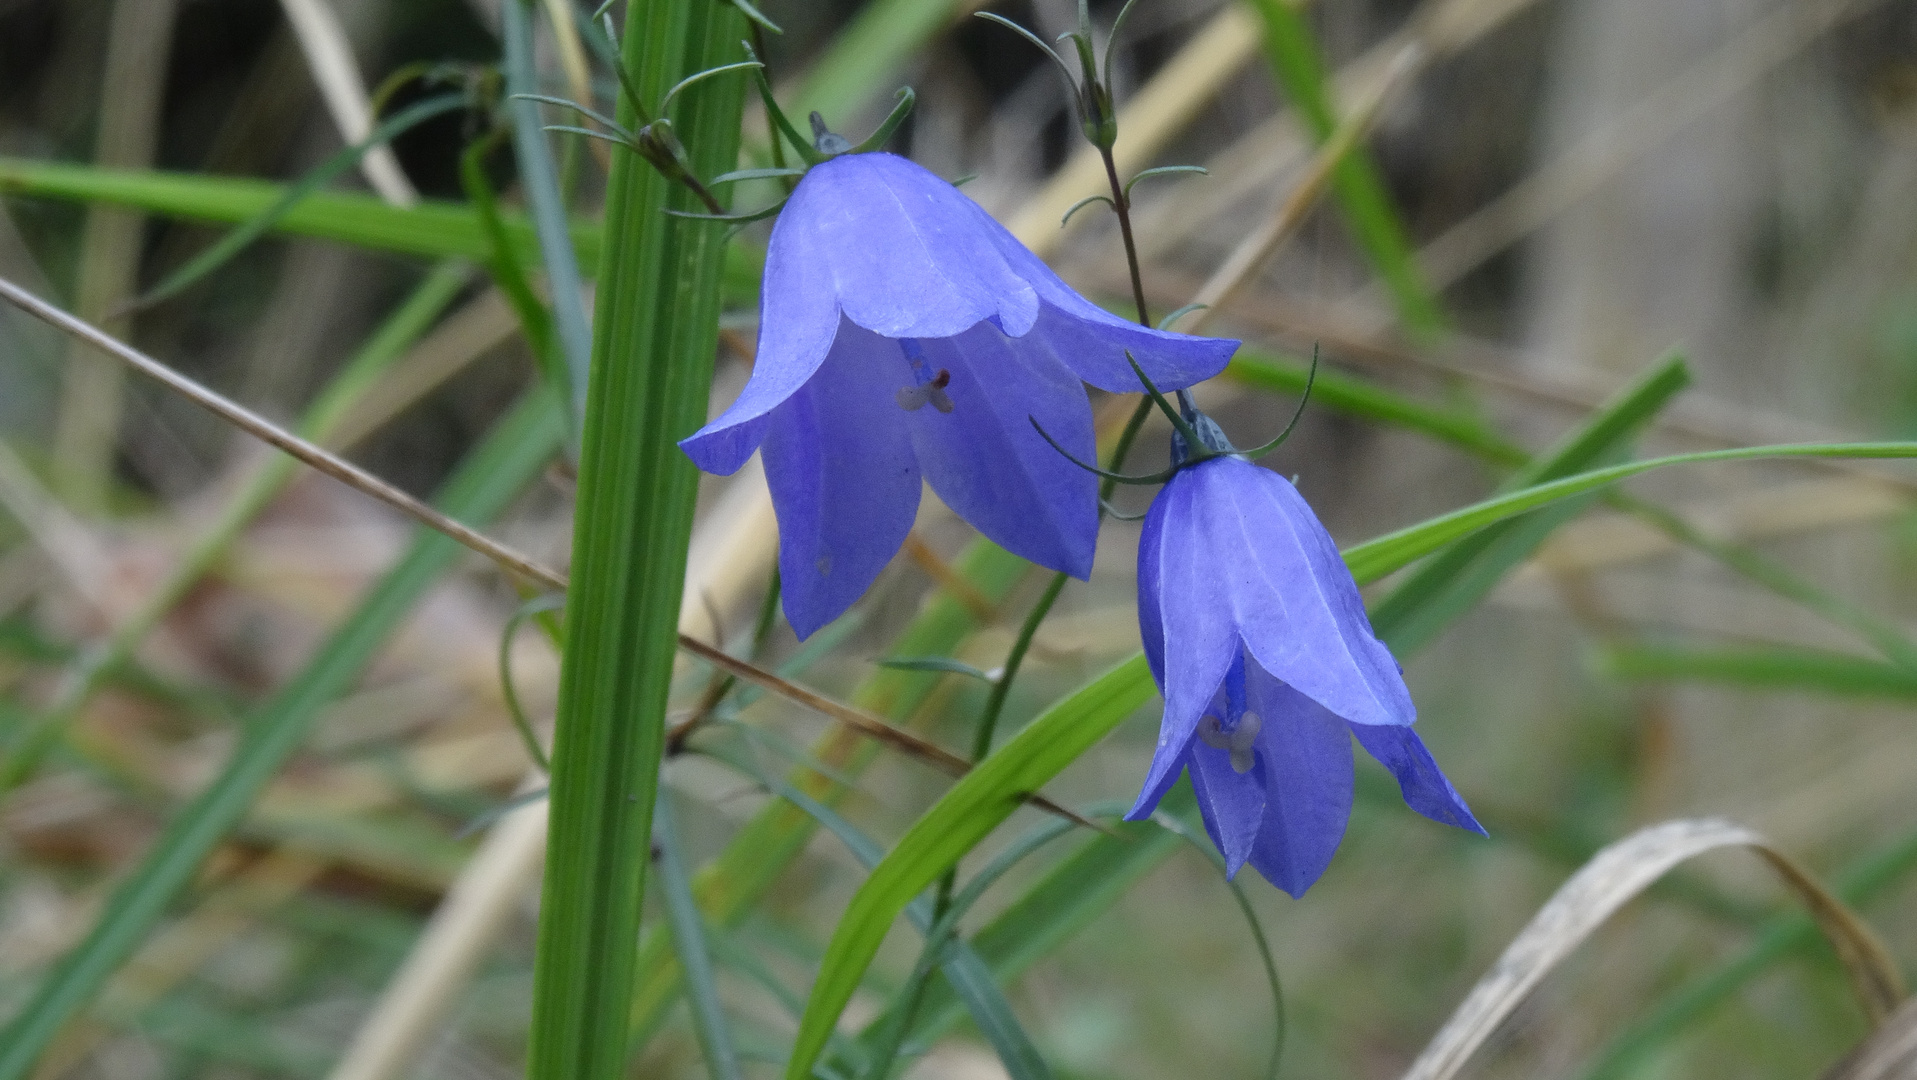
(1268, 665)
(905, 335)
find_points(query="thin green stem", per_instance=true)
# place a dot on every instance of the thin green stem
(1122, 206)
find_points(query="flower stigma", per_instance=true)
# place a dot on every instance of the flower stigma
(928, 386)
(1237, 741)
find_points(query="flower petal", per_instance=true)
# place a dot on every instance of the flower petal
(1232, 803)
(1178, 758)
(1188, 601)
(906, 253)
(987, 462)
(798, 322)
(1290, 594)
(1094, 341)
(845, 483)
(1425, 787)
(1305, 752)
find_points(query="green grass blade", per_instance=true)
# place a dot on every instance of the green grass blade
(511, 457)
(436, 229)
(432, 228)
(509, 273)
(400, 329)
(539, 177)
(1374, 559)
(224, 249)
(1356, 182)
(1760, 668)
(966, 814)
(1455, 580)
(653, 347)
(689, 945)
(1361, 398)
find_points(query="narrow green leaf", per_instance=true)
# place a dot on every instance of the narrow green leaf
(1455, 580)
(1374, 559)
(655, 336)
(509, 271)
(1362, 398)
(966, 814)
(1357, 182)
(511, 457)
(539, 178)
(689, 945)
(1760, 668)
(260, 224)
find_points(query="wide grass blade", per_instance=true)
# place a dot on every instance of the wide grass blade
(653, 349)
(966, 814)
(511, 457)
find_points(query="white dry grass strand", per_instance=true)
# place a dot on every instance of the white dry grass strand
(329, 52)
(1611, 879)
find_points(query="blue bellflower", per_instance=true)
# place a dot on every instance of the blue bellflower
(1258, 639)
(904, 335)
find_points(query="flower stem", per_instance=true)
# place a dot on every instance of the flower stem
(1122, 206)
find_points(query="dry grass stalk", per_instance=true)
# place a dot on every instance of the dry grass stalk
(1890, 1053)
(87, 428)
(1611, 879)
(329, 52)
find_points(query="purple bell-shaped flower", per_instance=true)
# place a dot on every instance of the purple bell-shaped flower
(905, 335)
(1268, 665)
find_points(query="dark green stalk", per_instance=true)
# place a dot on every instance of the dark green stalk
(654, 342)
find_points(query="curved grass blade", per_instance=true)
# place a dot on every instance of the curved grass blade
(538, 605)
(510, 458)
(1374, 559)
(508, 272)
(1610, 880)
(1455, 580)
(967, 812)
(236, 241)
(1785, 937)
(689, 944)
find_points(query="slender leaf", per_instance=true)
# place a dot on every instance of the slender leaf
(431, 228)
(689, 944)
(511, 457)
(966, 813)
(1362, 398)
(653, 346)
(1455, 580)
(539, 178)
(1760, 668)
(1374, 559)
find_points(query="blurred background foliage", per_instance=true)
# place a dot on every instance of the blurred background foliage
(1586, 184)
